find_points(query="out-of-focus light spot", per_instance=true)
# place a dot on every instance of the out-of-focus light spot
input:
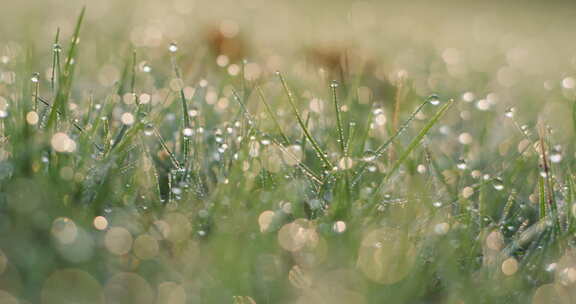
(118, 240)
(483, 105)
(550, 293)
(509, 266)
(32, 118)
(222, 60)
(64, 230)
(465, 138)
(127, 118)
(294, 236)
(345, 163)
(468, 97)
(62, 143)
(467, 192)
(495, 240)
(265, 219)
(233, 69)
(339, 227)
(100, 223)
(145, 247)
(568, 83)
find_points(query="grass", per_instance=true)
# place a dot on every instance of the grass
(197, 178)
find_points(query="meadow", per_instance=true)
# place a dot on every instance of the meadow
(171, 152)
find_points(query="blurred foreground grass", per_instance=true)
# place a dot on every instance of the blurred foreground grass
(251, 152)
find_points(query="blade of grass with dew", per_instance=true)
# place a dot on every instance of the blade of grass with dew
(399, 96)
(55, 72)
(272, 115)
(321, 154)
(340, 130)
(415, 142)
(307, 171)
(186, 118)
(65, 81)
(382, 148)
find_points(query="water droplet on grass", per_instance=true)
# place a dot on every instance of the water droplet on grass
(510, 112)
(462, 164)
(369, 156)
(498, 184)
(434, 99)
(145, 67)
(187, 132)
(173, 47)
(35, 77)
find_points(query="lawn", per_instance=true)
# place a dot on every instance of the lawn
(171, 152)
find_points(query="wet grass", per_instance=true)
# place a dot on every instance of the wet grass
(243, 184)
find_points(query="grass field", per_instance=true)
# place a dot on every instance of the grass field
(171, 152)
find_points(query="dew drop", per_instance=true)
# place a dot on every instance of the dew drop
(145, 67)
(57, 48)
(35, 77)
(173, 47)
(148, 130)
(187, 132)
(434, 99)
(369, 156)
(334, 84)
(498, 184)
(462, 164)
(510, 112)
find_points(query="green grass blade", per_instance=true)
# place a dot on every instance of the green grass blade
(65, 83)
(321, 154)
(416, 141)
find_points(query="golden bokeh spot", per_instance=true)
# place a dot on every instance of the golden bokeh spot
(550, 294)
(265, 219)
(171, 293)
(118, 240)
(495, 240)
(509, 266)
(100, 223)
(294, 236)
(145, 247)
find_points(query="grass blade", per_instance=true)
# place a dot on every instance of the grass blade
(313, 142)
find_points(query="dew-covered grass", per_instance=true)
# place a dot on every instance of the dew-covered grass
(141, 162)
